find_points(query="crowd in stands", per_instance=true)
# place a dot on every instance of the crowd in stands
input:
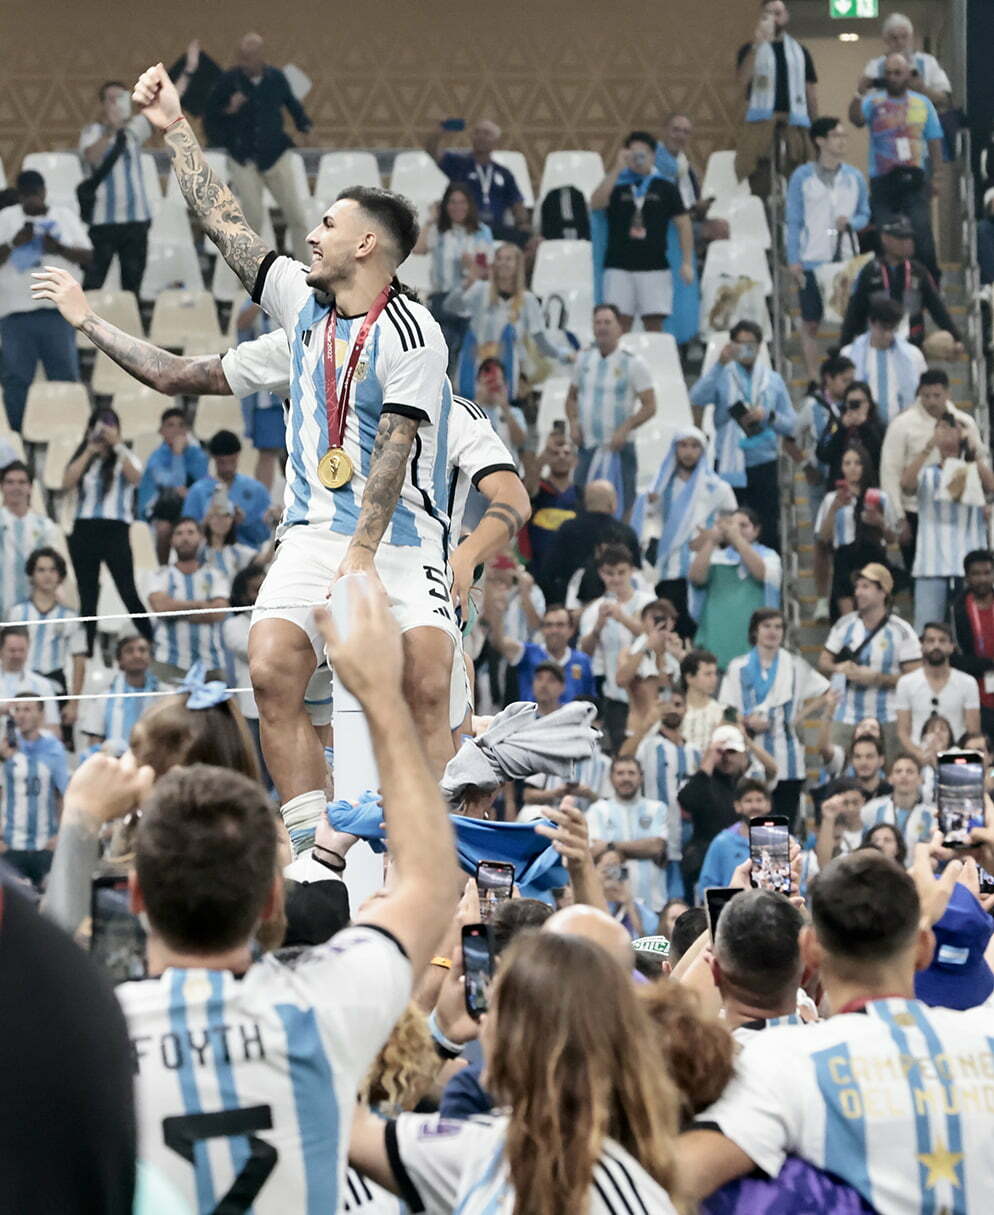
(620, 1065)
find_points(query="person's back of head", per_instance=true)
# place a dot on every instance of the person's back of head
(865, 914)
(205, 859)
(594, 925)
(514, 916)
(599, 497)
(757, 951)
(686, 930)
(697, 1048)
(569, 1052)
(172, 734)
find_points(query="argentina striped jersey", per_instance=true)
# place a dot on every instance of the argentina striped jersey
(181, 642)
(113, 501)
(20, 535)
(34, 779)
(947, 530)
(402, 369)
(607, 387)
(893, 645)
(51, 643)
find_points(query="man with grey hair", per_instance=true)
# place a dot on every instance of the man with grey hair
(493, 187)
(756, 963)
(926, 75)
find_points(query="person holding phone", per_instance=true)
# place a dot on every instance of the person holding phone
(927, 75)
(730, 847)
(495, 192)
(751, 409)
(857, 522)
(634, 915)
(857, 422)
(640, 205)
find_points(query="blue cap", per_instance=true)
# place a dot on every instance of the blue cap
(958, 976)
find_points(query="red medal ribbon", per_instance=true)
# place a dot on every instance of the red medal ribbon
(885, 275)
(337, 404)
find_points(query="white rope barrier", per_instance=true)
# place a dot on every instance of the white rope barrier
(174, 690)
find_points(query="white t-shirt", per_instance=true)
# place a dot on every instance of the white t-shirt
(614, 638)
(15, 273)
(896, 1101)
(914, 693)
(639, 819)
(457, 1166)
(269, 1063)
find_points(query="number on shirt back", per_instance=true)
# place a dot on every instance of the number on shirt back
(183, 1133)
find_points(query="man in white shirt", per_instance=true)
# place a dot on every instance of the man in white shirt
(33, 233)
(935, 688)
(22, 531)
(906, 437)
(247, 1074)
(122, 210)
(187, 585)
(890, 365)
(15, 677)
(887, 1095)
(926, 74)
(610, 397)
(635, 827)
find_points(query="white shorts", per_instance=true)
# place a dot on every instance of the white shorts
(639, 292)
(417, 587)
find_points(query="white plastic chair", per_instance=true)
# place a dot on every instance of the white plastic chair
(118, 308)
(563, 265)
(516, 162)
(585, 170)
(142, 547)
(217, 158)
(746, 218)
(551, 405)
(337, 170)
(417, 177)
(140, 409)
(659, 352)
(576, 312)
(62, 172)
(737, 257)
(144, 445)
(58, 453)
(108, 379)
(719, 177)
(652, 442)
(180, 316)
(217, 413)
(54, 409)
(153, 186)
(172, 257)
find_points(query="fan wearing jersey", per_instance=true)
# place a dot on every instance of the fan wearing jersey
(888, 1094)
(188, 585)
(565, 1041)
(903, 808)
(22, 530)
(635, 828)
(112, 718)
(246, 1074)
(369, 406)
(35, 776)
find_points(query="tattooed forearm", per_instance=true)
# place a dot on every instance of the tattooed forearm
(158, 369)
(502, 512)
(215, 206)
(391, 451)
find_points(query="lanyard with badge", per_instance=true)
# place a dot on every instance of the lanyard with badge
(639, 192)
(485, 175)
(335, 467)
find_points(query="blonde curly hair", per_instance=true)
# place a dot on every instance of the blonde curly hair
(404, 1069)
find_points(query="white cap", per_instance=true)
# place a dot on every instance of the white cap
(728, 738)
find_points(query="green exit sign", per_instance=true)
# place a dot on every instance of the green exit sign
(854, 8)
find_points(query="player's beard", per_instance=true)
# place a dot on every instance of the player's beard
(330, 276)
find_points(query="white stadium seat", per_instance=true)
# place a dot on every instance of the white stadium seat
(746, 218)
(62, 172)
(118, 308)
(180, 316)
(217, 158)
(416, 273)
(153, 186)
(139, 409)
(734, 285)
(218, 413)
(659, 352)
(551, 405)
(719, 177)
(418, 177)
(563, 265)
(172, 257)
(337, 170)
(516, 162)
(54, 409)
(585, 170)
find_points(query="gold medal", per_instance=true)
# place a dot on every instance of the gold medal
(334, 469)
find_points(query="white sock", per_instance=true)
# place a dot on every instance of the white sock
(301, 814)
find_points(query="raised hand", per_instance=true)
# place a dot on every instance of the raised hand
(156, 94)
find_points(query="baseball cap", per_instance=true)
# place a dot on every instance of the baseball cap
(728, 738)
(958, 976)
(880, 574)
(900, 227)
(657, 945)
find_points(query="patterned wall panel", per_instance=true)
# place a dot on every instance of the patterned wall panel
(553, 75)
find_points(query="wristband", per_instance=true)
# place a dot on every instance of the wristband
(445, 1046)
(169, 126)
(444, 963)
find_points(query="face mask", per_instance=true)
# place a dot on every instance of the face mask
(748, 350)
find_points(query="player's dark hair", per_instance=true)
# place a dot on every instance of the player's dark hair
(746, 326)
(53, 555)
(205, 856)
(16, 466)
(693, 662)
(757, 947)
(614, 554)
(686, 930)
(865, 908)
(392, 212)
(821, 128)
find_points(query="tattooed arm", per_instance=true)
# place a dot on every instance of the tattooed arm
(208, 198)
(391, 452)
(166, 373)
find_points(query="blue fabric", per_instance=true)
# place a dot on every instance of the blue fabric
(598, 239)
(728, 849)
(203, 695)
(798, 1186)
(756, 683)
(537, 865)
(28, 337)
(164, 469)
(464, 1096)
(246, 493)
(576, 667)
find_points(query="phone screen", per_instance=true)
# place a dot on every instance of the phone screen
(769, 851)
(716, 898)
(478, 967)
(494, 881)
(117, 939)
(738, 411)
(960, 796)
(986, 880)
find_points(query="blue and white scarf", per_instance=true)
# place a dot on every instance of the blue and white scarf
(764, 76)
(732, 441)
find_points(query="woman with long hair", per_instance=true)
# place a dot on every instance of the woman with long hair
(105, 475)
(857, 521)
(222, 549)
(455, 239)
(589, 1113)
(858, 422)
(505, 322)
